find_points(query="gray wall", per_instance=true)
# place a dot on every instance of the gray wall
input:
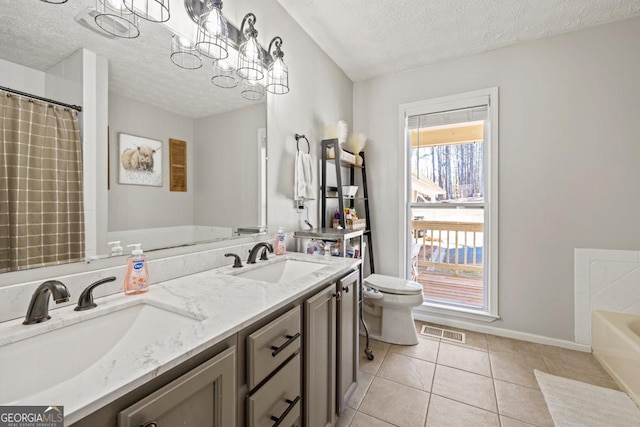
(226, 167)
(21, 78)
(569, 111)
(133, 206)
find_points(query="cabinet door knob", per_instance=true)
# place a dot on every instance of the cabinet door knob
(338, 295)
(346, 289)
(290, 339)
(279, 419)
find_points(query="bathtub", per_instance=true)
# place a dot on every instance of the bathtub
(615, 338)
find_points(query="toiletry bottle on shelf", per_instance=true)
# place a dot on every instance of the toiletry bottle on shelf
(280, 246)
(136, 280)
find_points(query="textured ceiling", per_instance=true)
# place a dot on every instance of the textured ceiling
(370, 38)
(39, 35)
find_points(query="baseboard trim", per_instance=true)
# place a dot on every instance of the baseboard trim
(501, 332)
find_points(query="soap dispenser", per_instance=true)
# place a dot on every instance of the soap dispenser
(136, 280)
(116, 249)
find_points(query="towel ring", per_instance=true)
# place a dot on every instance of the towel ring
(298, 138)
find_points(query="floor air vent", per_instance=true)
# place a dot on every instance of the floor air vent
(444, 334)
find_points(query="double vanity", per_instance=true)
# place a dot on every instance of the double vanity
(273, 343)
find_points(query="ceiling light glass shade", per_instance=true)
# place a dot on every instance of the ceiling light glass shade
(151, 10)
(55, 1)
(278, 72)
(212, 39)
(114, 18)
(184, 53)
(223, 74)
(250, 54)
(251, 90)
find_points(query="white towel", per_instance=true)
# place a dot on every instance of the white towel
(303, 178)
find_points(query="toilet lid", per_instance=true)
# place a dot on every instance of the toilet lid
(393, 285)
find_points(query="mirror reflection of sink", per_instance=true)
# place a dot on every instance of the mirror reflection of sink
(43, 361)
(281, 271)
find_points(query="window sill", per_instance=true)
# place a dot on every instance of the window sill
(430, 309)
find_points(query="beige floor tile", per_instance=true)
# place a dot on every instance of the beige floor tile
(395, 403)
(589, 379)
(522, 403)
(515, 370)
(364, 381)
(561, 358)
(465, 387)
(375, 344)
(514, 348)
(408, 371)
(371, 366)
(427, 349)
(364, 420)
(467, 359)
(445, 412)
(345, 419)
(473, 340)
(510, 422)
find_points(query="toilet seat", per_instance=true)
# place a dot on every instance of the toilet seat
(393, 285)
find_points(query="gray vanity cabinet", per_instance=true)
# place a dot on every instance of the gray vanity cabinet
(320, 358)
(348, 338)
(205, 396)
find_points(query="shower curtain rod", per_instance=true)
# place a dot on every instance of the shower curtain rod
(40, 98)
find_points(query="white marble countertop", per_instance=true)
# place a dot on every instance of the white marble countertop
(222, 304)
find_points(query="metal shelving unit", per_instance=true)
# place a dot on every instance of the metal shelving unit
(339, 165)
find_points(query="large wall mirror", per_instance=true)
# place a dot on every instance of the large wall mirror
(212, 140)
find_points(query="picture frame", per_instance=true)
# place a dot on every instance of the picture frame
(139, 160)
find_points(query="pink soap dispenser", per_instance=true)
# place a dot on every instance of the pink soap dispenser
(280, 248)
(136, 280)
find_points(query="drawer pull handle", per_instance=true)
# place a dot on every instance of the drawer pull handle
(151, 424)
(291, 403)
(291, 338)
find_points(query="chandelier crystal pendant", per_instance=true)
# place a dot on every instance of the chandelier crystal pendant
(114, 18)
(278, 72)
(250, 54)
(212, 39)
(224, 75)
(150, 10)
(184, 53)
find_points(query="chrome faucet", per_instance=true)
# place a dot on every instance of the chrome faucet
(38, 310)
(253, 253)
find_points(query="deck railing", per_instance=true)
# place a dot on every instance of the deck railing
(448, 246)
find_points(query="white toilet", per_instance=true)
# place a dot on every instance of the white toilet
(388, 302)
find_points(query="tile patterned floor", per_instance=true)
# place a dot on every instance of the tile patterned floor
(488, 381)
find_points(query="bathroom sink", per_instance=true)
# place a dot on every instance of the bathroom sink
(281, 271)
(43, 361)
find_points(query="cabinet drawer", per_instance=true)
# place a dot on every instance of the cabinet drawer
(271, 345)
(277, 402)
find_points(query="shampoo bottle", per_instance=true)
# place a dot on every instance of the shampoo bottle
(280, 246)
(136, 281)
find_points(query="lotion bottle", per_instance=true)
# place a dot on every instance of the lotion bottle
(280, 246)
(136, 281)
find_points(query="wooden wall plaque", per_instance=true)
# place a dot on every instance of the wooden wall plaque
(178, 165)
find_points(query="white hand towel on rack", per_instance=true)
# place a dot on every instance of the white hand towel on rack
(303, 178)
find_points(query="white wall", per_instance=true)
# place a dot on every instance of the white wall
(569, 109)
(320, 93)
(226, 167)
(21, 78)
(133, 206)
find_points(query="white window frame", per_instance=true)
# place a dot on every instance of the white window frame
(487, 97)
